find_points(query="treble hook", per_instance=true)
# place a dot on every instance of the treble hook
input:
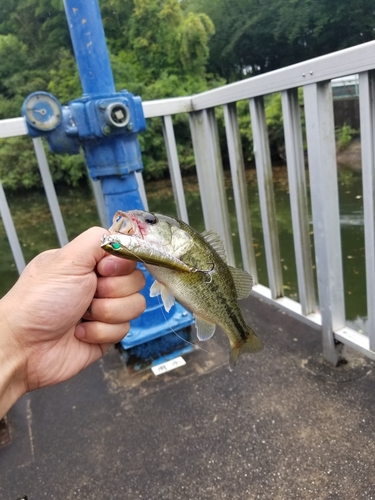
(205, 271)
(210, 278)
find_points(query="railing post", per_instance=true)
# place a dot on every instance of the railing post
(210, 176)
(367, 117)
(298, 199)
(320, 131)
(49, 189)
(237, 168)
(266, 196)
(174, 168)
(11, 232)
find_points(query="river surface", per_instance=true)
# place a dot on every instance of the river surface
(35, 229)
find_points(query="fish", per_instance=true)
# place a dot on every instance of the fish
(190, 267)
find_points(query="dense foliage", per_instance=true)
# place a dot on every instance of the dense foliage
(163, 48)
(254, 36)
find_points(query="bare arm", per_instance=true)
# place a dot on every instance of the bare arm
(43, 340)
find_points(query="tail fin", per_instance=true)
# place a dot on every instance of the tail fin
(251, 345)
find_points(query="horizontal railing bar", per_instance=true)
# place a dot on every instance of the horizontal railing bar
(346, 335)
(289, 306)
(163, 107)
(12, 127)
(341, 63)
(354, 339)
(344, 62)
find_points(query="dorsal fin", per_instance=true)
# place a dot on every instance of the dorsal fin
(243, 282)
(214, 240)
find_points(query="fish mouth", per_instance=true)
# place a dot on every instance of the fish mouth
(107, 239)
(122, 223)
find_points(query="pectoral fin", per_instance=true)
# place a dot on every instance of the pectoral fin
(205, 329)
(159, 289)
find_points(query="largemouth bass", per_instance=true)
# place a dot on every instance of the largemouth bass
(190, 267)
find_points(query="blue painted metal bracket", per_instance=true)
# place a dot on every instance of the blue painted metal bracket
(106, 128)
(105, 124)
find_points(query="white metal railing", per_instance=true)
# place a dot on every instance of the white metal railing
(314, 76)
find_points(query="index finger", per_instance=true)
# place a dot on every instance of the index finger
(115, 266)
(120, 286)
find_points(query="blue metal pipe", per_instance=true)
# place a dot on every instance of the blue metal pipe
(90, 47)
(105, 156)
(112, 153)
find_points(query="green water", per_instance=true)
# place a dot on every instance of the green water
(36, 232)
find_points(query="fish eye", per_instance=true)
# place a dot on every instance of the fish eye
(150, 219)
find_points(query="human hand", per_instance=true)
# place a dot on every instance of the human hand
(42, 332)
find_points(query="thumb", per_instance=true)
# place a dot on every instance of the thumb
(84, 252)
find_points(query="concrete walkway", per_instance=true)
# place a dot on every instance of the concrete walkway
(283, 425)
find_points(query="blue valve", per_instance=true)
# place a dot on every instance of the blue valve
(105, 126)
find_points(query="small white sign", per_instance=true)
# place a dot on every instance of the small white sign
(168, 365)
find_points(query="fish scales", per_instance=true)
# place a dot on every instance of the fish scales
(211, 299)
(215, 292)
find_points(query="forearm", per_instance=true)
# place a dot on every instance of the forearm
(12, 382)
(11, 386)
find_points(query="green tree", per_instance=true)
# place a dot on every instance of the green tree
(12, 49)
(164, 39)
(157, 50)
(254, 36)
(32, 33)
(195, 33)
(40, 24)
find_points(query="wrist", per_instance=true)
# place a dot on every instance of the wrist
(12, 366)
